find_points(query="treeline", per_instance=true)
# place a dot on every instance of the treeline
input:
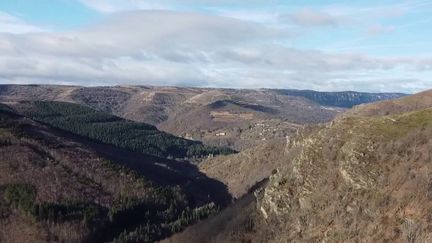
(23, 197)
(154, 215)
(127, 220)
(106, 128)
(149, 232)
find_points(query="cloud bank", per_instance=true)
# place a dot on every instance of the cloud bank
(164, 47)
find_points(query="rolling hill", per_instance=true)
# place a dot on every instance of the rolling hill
(225, 117)
(418, 101)
(356, 179)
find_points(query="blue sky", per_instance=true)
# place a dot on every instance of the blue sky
(323, 45)
(52, 14)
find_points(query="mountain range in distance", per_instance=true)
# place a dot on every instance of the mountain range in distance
(235, 118)
(146, 164)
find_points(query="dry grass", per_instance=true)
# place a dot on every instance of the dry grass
(355, 180)
(225, 116)
(243, 170)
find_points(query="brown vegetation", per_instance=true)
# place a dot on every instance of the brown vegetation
(57, 186)
(242, 171)
(357, 179)
(418, 101)
(172, 109)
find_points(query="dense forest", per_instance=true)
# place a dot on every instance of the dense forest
(127, 220)
(142, 212)
(106, 128)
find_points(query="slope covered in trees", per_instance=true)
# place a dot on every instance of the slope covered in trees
(106, 128)
(58, 187)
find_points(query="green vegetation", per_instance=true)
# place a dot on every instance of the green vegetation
(124, 170)
(138, 137)
(127, 220)
(388, 127)
(21, 196)
(5, 109)
(399, 125)
(141, 211)
(150, 232)
(87, 213)
(152, 219)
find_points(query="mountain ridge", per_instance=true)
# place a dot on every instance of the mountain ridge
(171, 108)
(357, 178)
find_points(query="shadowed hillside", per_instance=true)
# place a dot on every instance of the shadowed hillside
(242, 171)
(57, 186)
(106, 128)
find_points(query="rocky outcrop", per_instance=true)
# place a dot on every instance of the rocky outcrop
(357, 179)
(346, 99)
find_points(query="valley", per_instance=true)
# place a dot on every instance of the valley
(61, 186)
(237, 171)
(205, 121)
(221, 117)
(359, 178)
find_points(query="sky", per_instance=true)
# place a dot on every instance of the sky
(368, 45)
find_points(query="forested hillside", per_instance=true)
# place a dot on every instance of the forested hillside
(58, 187)
(106, 128)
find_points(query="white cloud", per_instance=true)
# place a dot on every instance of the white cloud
(379, 29)
(147, 46)
(12, 24)
(110, 6)
(137, 33)
(173, 48)
(263, 17)
(311, 18)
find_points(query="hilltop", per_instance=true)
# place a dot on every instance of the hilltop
(418, 101)
(358, 178)
(239, 119)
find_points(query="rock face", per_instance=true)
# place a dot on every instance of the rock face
(240, 172)
(356, 179)
(346, 99)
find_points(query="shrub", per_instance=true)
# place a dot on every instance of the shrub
(21, 196)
